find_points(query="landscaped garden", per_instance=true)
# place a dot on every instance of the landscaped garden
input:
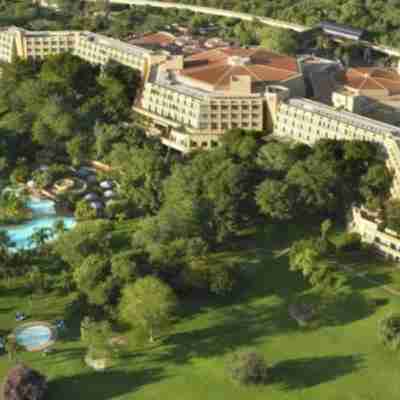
(340, 359)
(187, 276)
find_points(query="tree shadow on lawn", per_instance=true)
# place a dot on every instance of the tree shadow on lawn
(243, 327)
(374, 270)
(307, 372)
(18, 292)
(343, 309)
(263, 276)
(104, 385)
(61, 356)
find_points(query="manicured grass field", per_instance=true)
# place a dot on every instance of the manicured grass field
(340, 360)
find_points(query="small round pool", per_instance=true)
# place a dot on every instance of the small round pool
(34, 336)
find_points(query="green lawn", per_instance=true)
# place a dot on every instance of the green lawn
(340, 360)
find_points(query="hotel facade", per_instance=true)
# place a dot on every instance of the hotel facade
(92, 47)
(190, 102)
(308, 121)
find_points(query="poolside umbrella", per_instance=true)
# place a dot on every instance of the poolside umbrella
(97, 205)
(106, 184)
(91, 197)
(109, 193)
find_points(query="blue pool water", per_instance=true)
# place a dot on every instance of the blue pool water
(33, 337)
(44, 216)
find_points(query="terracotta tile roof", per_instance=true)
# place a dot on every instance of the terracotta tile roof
(215, 67)
(160, 38)
(371, 79)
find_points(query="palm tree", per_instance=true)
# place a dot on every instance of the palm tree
(5, 256)
(40, 237)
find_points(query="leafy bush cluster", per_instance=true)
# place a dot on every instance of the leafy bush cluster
(248, 368)
(389, 331)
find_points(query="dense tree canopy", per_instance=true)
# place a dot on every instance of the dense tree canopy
(295, 183)
(52, 107)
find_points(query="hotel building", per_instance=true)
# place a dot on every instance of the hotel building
(191, 101)
(309, 121)
(370, 91)
(94, 48)
(100, 49)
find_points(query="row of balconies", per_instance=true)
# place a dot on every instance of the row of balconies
(45, 49)
(168, 104)
(95, 50)
(232, 124)
(170, 107)
(51, 43)
(346, 132)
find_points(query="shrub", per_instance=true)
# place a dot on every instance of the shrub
(389, 331)
(96, 336)
(200, 274)
(350, 242)
(84, 211)
(248, 368)
(24, 383)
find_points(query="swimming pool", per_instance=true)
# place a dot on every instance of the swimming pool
(35, 336)
(44, 216)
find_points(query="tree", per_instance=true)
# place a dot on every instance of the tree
(359, 151)
(93, 279)
(281, 41)
(141, 172)
(275, 199)
(326, 226)
(40, 237)
(24, 383)
(148, 304)
(96, 336)
(376, 183)
(77, 149)
(38, 281)
(248, 368)
(310, 257)
(200, 274)
(87, 238)
(7, 266)
(11, 346)
(389, 331)
(316, 187)
(241, 143)
(277, 157)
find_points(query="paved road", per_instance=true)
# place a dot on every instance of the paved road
(243, 16)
